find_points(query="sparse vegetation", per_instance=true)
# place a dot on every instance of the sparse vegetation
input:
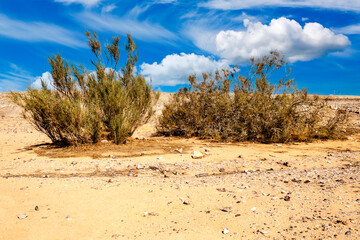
(82, 107)
(229, 106)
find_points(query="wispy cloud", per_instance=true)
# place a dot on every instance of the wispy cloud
(37, 32)
(108, 8)
(351, 5)
(143, 30)
(351, 29)
(86, 3)
(15, 79)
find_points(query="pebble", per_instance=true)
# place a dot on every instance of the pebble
(225, 231)
(22, 216)
(197, 155)
(226, 209)
(180, 150)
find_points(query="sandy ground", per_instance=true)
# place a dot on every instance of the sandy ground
(150, 189)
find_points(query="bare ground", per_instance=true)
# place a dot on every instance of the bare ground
(147, 189)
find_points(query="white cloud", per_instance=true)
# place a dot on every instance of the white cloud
(174, 69)
(86, 3)
(345, 5)
(15, 79)
(351, 29)
(304, 19)
(108, 8)
(287, 36)
(143, 30)
(38, 32)
(47, 78)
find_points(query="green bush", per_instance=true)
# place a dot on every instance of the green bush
(229, 106)
(83, 107)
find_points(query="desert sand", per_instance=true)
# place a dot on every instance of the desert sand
(152, 188)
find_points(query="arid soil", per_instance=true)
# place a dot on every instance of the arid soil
(152, 188)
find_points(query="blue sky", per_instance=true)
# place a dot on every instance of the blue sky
(175, 38)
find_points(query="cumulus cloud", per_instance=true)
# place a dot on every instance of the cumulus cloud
(345, 5)
(86, 3)
(287, 36)
(47, 78)
(38, 32)
(174, 69)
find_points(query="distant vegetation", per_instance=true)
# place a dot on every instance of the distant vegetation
(83, 107)
(230, 106)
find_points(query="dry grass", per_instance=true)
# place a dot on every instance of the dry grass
(229, 106)
(82, 107)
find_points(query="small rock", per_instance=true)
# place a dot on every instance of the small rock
(226, 209)
(186, 202)
(150, 214)
(180, 150)
(222, 170)
(104, 141)
(253, 209)
(159, 158)
(207, 150)
(202, 175)
(36, 208)
(197, 155)
(221, 189)
(347, 233)
(287, 198)
(225, 231)
(21, 216)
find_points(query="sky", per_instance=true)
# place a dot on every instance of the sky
(176, 38)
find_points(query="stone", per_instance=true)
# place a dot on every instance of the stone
(221, 189)
(22, 216)
(180, 150)
(226, 209)
(202, 175)
(222, 170)
(287, 198)
(225, 231)
(197, 155)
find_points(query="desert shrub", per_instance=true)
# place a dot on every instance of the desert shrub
(229, 106)
(82, 107)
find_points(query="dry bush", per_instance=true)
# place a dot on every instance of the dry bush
(229, 106)
(83, 107)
